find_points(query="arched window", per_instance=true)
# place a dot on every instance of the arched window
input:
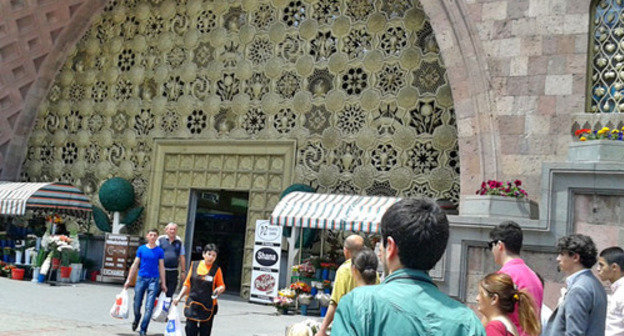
(606, 57)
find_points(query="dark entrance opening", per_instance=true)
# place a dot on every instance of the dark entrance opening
(220, 217)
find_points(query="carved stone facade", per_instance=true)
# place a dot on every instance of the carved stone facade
(360, 86)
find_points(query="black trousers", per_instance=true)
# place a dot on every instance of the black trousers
(194, 328)
(171, 279)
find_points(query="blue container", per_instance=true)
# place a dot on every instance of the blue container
(332, 275)
(3, 243)
(323, 311)
(325, 274)
(314, 291)
(327, 290)
(304, 310)
(41, 278)
(318, 273)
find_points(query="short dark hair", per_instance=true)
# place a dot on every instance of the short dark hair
(419, 228)
(614, 255)
(510, 233)
(581, 244)
(366, 263)
(211, 247)
(153, 230)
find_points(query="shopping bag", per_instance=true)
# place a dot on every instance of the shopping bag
(161, 308)
(174, 328)
(120, 307)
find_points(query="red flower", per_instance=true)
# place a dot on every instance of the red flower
(518, 183)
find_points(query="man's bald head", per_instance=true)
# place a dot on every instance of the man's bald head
(352, 245)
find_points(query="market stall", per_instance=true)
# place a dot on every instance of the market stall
(27, 245)
(303, 210)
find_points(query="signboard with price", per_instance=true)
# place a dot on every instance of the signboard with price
(266, 262)
(119, 252)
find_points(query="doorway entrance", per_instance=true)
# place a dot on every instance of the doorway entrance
(220, 217)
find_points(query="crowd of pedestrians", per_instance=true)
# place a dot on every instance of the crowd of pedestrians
(414, 236)
(407, 302)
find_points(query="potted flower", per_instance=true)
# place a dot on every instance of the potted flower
(284, 300)
(323, 299)
(499, 199)
(603, 145)
(304, 301)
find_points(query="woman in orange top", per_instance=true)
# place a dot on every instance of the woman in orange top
(203, 284)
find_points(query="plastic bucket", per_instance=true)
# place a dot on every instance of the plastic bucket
(17, 274)
(41, 278)
(56, 262)
(65, 272)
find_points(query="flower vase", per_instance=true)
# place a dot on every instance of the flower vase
(304, 310)
(323, 311)
(325, 274)
(35, 275)
(18, 257)
(313, 291)
(327, 290)
(318, 273)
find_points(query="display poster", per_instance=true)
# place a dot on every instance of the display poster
(119, 252)
(266, 262)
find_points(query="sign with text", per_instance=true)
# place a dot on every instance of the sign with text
(119, 252)
(266, 262)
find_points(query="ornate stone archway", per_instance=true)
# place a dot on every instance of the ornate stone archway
(467, 79)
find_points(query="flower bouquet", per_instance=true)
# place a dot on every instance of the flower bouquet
(604, 133)
(323, 299)
(304, 299)
(284, 300)
(497, 188)
(306, 269)
(300, 287)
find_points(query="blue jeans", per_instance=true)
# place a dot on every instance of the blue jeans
(152, 285)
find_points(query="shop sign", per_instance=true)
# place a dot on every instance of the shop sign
(266, 262)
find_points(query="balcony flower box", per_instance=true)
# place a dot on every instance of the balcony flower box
(601, 151)
(499, 206)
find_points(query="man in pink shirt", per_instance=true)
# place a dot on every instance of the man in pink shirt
(505, 243)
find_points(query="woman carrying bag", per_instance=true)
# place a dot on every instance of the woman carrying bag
(203, 284)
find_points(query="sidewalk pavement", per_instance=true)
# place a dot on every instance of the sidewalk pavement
(27, 308)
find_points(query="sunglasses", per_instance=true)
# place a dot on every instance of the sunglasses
(492, 243)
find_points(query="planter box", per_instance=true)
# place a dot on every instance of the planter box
(499, 206)
(607, 151)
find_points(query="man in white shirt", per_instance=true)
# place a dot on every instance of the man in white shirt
(610, 266)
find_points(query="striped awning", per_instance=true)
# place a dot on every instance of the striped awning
(16, 197)
(335, 212)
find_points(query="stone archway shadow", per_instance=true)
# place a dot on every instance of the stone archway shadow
(73, 32)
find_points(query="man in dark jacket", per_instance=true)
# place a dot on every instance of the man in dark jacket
(583, 309)
(174, 257)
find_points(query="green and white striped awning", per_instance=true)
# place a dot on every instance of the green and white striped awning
(16, 197)
(334, 212)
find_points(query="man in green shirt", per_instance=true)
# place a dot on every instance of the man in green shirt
(414, 237)
(344, 282)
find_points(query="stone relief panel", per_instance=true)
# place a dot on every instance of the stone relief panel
(360, 85)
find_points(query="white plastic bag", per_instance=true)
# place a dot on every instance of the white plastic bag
(174, 328)
(161, 308)
(120, 307)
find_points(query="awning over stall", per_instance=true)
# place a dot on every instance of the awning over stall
(16, 197)
(334, 212)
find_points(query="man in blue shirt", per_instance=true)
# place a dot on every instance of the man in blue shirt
(174, 257)
(150, 262)
(414, 236)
